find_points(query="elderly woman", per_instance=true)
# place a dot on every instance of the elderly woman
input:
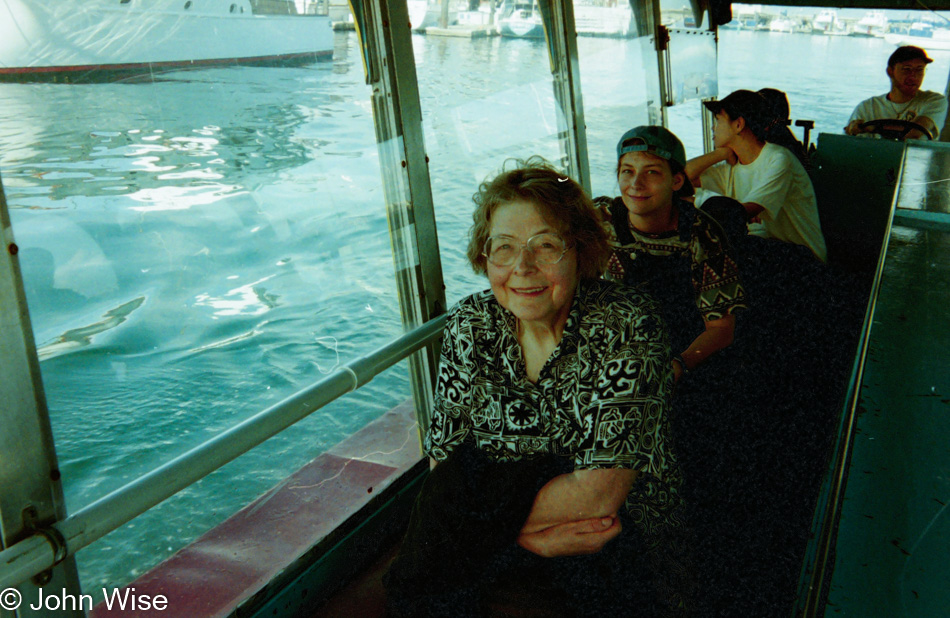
(549, 436)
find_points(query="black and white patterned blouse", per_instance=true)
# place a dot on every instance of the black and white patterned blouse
(601, 399)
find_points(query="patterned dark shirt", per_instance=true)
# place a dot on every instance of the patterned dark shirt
(602, 399)
(717, 289)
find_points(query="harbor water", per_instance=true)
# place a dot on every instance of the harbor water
(200, 246)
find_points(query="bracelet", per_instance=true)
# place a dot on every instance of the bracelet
(679, 359)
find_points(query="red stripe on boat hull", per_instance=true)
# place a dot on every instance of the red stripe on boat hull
(104, 72)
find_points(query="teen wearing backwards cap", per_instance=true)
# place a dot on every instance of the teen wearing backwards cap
(666, 245)
(766, 178)
(905, 101)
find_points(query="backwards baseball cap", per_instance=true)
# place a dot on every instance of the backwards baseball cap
(778, 103)
(660, 142)
(908, 52)
(655, 140)
(748, 105)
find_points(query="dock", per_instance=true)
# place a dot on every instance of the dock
(468, 31)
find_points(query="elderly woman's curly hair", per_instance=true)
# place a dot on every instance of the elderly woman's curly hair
(559, 199)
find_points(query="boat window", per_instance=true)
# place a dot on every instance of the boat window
(691, 69)
(233, 7)
(124, 1)
(195, 247)
(484, 99)
(619, 82)
(188, 5)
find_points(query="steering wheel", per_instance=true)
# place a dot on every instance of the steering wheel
(892, 128)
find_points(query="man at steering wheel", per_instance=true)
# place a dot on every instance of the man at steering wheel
(906, 112)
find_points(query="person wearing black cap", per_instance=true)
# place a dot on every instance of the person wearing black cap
(905, 101)
(779, 133)
(675, 251)
(766, 178)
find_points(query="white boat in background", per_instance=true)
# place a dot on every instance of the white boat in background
(747, 15)
(922, 35)
(522, 21)
(613, 21)
(425, 14)
(781, 24)
(873, 24)
(824, 21)
(92, 40)
(839, 28)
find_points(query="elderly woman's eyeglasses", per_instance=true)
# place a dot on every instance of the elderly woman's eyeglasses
(544, 249)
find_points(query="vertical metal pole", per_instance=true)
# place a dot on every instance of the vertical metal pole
(707, 116)
(646, 15)
(391, 71)
(944, 131)
(565, 69)
(707, 128)
(662, 39)
(31, 495)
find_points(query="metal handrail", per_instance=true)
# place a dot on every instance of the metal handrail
(813, 584)
(43, 550)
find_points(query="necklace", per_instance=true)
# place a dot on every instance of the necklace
(900, 111)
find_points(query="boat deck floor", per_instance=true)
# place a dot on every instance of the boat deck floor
(365, 597)
(894, 532)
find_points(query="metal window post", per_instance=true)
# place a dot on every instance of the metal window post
(391, 71)
(31, 496)
(565, 69)
(662, 41)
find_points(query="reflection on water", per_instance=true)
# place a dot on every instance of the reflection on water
(75, 338)
(198, 248)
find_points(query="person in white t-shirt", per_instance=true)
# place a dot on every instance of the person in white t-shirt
(905, 101)
(766, 178)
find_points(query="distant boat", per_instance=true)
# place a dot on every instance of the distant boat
(838, 28)
(603, 20)
(523, 21)
(802, 27)
(824, 21)
(91, 40)
(424, 14)
(922, 35)
(781, 24)
(747, 15)
(873, 24)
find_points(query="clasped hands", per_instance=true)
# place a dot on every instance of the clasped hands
(574, 538)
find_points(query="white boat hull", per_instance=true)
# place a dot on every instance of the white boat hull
(927, 43)
(521, 28)
(423, 15)
(67, 39)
